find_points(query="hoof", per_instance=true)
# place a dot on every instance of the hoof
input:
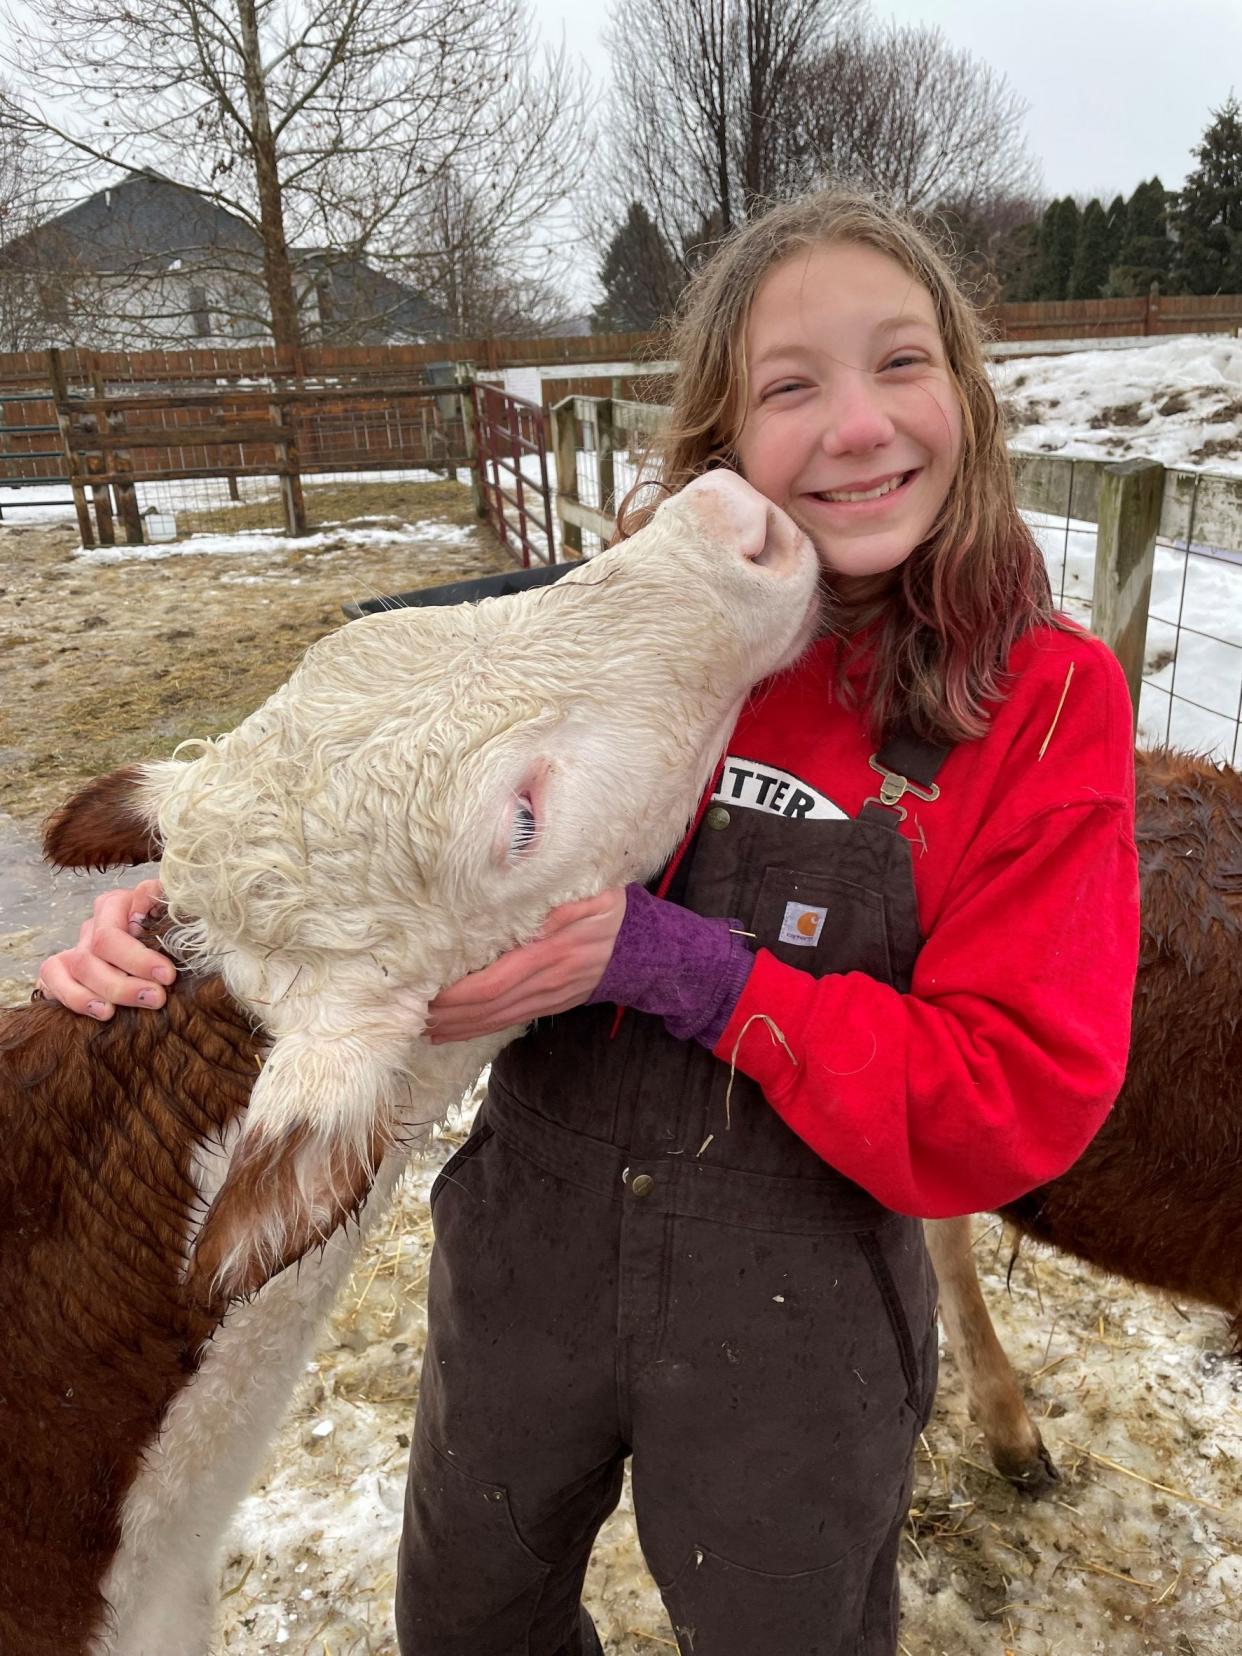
(1033, 1474)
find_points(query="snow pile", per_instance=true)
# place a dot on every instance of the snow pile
(271, 543)
(1179, 402)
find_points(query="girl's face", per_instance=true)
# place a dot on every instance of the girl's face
(852, 422)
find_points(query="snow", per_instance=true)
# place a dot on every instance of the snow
(1162, 402)
(266, 543)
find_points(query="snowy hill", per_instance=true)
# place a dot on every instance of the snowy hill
(1178, 401)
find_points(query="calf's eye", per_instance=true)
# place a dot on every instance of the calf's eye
(524, 830)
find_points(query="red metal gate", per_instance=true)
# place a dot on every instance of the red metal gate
(513, 469)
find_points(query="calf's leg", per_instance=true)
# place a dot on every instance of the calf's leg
(162, 1587)
(993, 1394)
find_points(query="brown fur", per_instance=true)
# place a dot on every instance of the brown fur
(1157, 1197)
(99, 1122)
(100, 827)
(257, 1178)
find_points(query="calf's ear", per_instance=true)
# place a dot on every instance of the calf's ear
(108, 823)
(320, 1121)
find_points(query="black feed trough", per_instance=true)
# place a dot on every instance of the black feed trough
(464, 592)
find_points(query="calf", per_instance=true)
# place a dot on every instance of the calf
(417, 797)
(1157, 1196)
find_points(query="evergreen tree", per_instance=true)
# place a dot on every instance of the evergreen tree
(1058, 241)
(1090, 269)
(1116, 229)
(642, 279)
(1146, 251)
(1017, 263)
(1207, 215)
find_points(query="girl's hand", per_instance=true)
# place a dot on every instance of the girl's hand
(108, 967)
(558, 970)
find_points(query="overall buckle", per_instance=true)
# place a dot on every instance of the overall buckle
(894, 787)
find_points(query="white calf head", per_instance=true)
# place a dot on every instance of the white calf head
(414, 800)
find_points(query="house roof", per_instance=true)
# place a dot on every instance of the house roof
(143, 222)
(146, 224)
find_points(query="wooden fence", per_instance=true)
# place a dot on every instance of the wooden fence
(111, 441)
(21, 370)
(1153, 314)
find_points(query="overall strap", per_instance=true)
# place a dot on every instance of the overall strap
(907, 764)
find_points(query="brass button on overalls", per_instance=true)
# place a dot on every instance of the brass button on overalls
(642, 1184)
(717, 817)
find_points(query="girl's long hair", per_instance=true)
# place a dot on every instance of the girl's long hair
(945, 622)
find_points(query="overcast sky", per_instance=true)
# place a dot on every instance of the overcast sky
(1118, 90)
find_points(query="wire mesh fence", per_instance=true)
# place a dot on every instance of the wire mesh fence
(1192, 672)
(165, 463)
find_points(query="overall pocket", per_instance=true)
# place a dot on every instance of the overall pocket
(468, 1585)
(822, 923)
(905, 1282)
(479, 1134)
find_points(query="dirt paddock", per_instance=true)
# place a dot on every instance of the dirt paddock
(1137, 1553)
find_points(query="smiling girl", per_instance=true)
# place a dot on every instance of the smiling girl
(887, 977)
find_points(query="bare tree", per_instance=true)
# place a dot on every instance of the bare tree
(994, 243)
(325, 126)
(902, 112)
(721, 104)
(700, 97)
(33, 303)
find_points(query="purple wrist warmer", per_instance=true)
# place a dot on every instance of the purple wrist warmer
(676, 965)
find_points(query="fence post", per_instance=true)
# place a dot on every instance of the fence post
(123, 493)
(464, 372)
(1131, 495)
(565, 444)
(64, 419)
(606, 438)
(289, 460)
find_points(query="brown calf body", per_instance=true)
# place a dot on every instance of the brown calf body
(1157, 1197)
(98, 1124)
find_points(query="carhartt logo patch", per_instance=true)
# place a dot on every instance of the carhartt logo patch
(802, 924)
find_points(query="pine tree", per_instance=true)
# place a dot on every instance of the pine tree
(1207, 215)
(1058, 240)
(1146, 251)
(1090, 269)
(1116, 229)
(641, 278)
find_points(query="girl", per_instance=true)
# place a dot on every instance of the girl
(689, 1234)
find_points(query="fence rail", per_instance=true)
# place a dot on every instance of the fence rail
(1149, 557)
(1151, 314)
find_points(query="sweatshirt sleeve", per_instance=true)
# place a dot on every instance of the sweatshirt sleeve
(994, 1072)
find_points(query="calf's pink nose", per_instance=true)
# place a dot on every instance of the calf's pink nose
(746, 521)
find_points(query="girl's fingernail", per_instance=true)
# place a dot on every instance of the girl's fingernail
(98, 1009)
(151, 997)
(164, 973)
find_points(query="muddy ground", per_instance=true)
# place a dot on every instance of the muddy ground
(1136, 1553)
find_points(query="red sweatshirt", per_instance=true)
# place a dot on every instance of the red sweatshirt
(995, 1071)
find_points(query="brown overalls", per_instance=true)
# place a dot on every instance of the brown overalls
(629, 1263)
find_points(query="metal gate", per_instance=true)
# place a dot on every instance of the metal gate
(513, 471)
